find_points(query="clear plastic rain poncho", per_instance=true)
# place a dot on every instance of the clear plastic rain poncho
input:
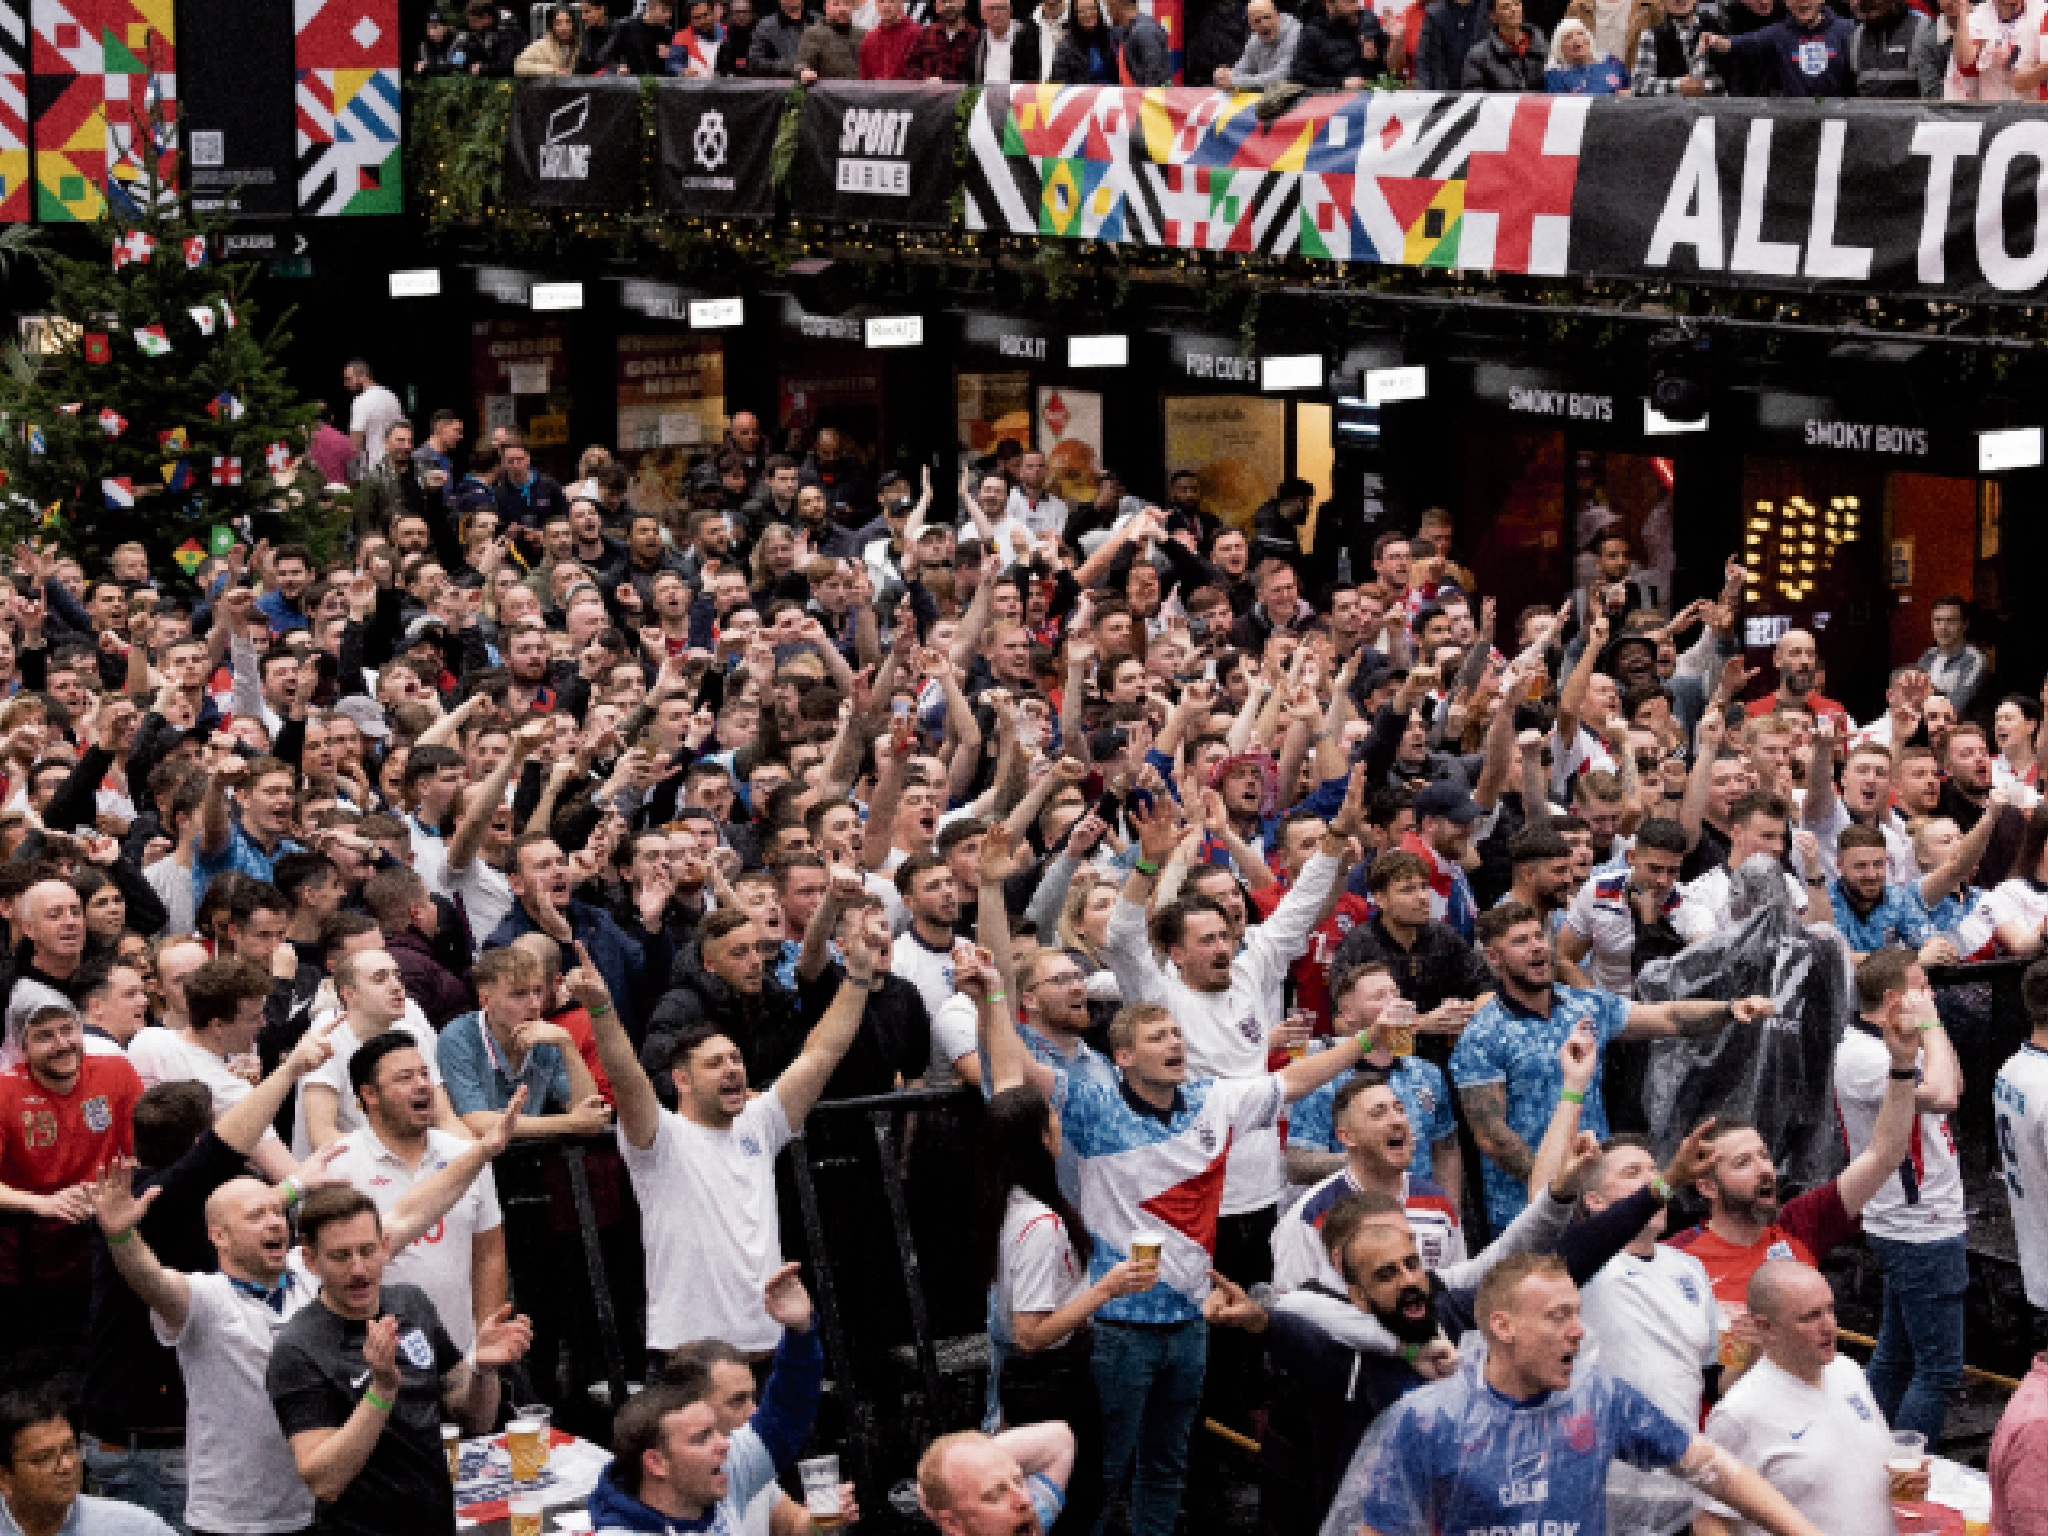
(1778, 1072)
(1456, 1457)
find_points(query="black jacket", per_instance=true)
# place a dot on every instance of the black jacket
(494, 49)
(1747, 77)
(591, 57)
(760, 1026)
(633, 47)
(1449, 31)
(732, 53)
(1493, 66)
(1330, 51)
(1025, 57)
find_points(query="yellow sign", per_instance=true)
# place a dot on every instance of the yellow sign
(548, 431)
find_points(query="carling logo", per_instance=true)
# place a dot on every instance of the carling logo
(559, 159)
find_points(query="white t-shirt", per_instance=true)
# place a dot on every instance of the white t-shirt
(953, 1036)
(1998, 41)
(439, 1262)
(2021, 1095)
(373, 411)
(1922, 1202)
(161, 1055)
(1823, 1448)
(927, 969)
(710, 1225)
(1038, 1271)
(486, 898)
(348, 1114)
(1586, 751)
(1600, 914)
(1048, 514)
(242, 1476)
(1656, 1326)
(2012, 901)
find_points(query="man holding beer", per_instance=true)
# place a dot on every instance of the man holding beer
(362, 1382)
(1805, 1418)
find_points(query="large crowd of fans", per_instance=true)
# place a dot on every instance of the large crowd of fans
(1304, 966)
(1802, 49)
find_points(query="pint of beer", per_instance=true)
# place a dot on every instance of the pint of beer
(451, 1442)
(1908, 1457)
(821, 1491)
(527, 1514)
(528, 1444)
(1146, 1246)
(1399, 1027)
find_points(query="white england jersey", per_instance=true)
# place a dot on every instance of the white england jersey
(2021, 1096)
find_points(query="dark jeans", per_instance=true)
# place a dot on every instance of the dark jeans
(1148, 1381)
(1060, 1384)
(1917, 1367)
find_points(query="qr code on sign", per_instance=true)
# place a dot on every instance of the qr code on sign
(209, 148)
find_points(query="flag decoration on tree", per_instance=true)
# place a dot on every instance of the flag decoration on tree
(178, 475)
(227, 471)
(277, 458)
(112, 422)
(189, 555)
(203, 318)
(35, 441)
(136, 245)
(195, 252)
(227, 314)
(173, 441)
(224, 407)
(69, 410)
(152, 340)
(117, 492)
(98, 347)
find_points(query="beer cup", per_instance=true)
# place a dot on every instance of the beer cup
(528, 1514)
(1400, 1027)
(1146, 1246)
(451, 1442)
(821, 1491)
(1906, 1459)
(527, 1441)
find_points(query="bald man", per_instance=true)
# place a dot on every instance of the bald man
(243, 1477)
(1268, 52)
(1012, 1484)
(1797, 659)
(1804, 1416)
(52, 919)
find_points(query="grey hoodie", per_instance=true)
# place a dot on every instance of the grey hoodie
(1263, 63)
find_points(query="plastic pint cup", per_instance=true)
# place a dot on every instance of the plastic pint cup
(821, 1491)
(1146, 1246)
(1400, 1028)
(527, 1441)
(451, 1442)
(1906, 1459)
(528, 1514)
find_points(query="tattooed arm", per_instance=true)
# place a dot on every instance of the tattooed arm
(1486, 1110)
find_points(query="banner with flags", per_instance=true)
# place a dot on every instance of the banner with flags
(346, 58)
(17, 197)
(103, 77)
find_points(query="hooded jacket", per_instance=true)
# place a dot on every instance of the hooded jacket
(1811, 61)
(757, 1025)
(1493, 66)
(632, 968)
(761, 1448)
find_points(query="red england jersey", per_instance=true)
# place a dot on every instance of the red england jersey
(1312, 971)
(49, 1142)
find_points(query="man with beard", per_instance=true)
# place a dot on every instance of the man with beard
(1348, 1347)
(1185, 513)
(1530, 1428)
(1745, 1224)
(635, 966)
(1542, 864)
(727, 988)
(1966, 799)
(1881, 55)
(1798, 663)
(924, 957)
(1870, 913)
(1507, 1078)
(1444, 817)
(1864, 799)
(1625, 917)
(704, 1173)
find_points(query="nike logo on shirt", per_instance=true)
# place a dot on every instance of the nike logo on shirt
(1798, 1434)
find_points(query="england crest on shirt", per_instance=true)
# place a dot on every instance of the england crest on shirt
(417, 1349)
(1779, 1250)
(97, 1114)
(750, 1144)
(1248, 1026)
(1862, 1408)
(1813, 57)
(1685, 1285)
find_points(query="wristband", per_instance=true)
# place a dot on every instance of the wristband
(291, 1192)
(382, 1405)
(1147, 870)
(1661, 1188)
(1411, 1353)
(1930, 1024)
(1572, 1096)
(997, 997)
(599, 1010)
(121, 1237)
(1904, 1074)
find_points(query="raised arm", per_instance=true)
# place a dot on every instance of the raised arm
(1692, 1017)
(803, 1080)
(843, 885)
(1692, 809)
(484, 800)
(1577, 1060)
(892, 753)
(1821, 794)
(164, 1291)
(1891, 1137)
(420, 1207)
(1499, 748)
(1571, 698)
(639, 1110)
(1963, 858)
(995, 1026)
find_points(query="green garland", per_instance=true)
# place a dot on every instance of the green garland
(455, 178)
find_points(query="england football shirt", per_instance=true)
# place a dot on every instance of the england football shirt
(1823, 1447)
(2021, 1097)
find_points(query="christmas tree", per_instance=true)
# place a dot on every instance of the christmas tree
(158, 411)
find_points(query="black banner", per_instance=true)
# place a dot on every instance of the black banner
(876, 154)
(574, 144)
(717, 141)
(235, 73)
(1918, 198)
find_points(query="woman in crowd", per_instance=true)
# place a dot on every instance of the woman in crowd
(1087, 54)
(1578, 68)
(554, 51)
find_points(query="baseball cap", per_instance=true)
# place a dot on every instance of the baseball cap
(1447, 798)
(366, 714)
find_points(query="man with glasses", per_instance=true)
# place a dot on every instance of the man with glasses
(42, 1475)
